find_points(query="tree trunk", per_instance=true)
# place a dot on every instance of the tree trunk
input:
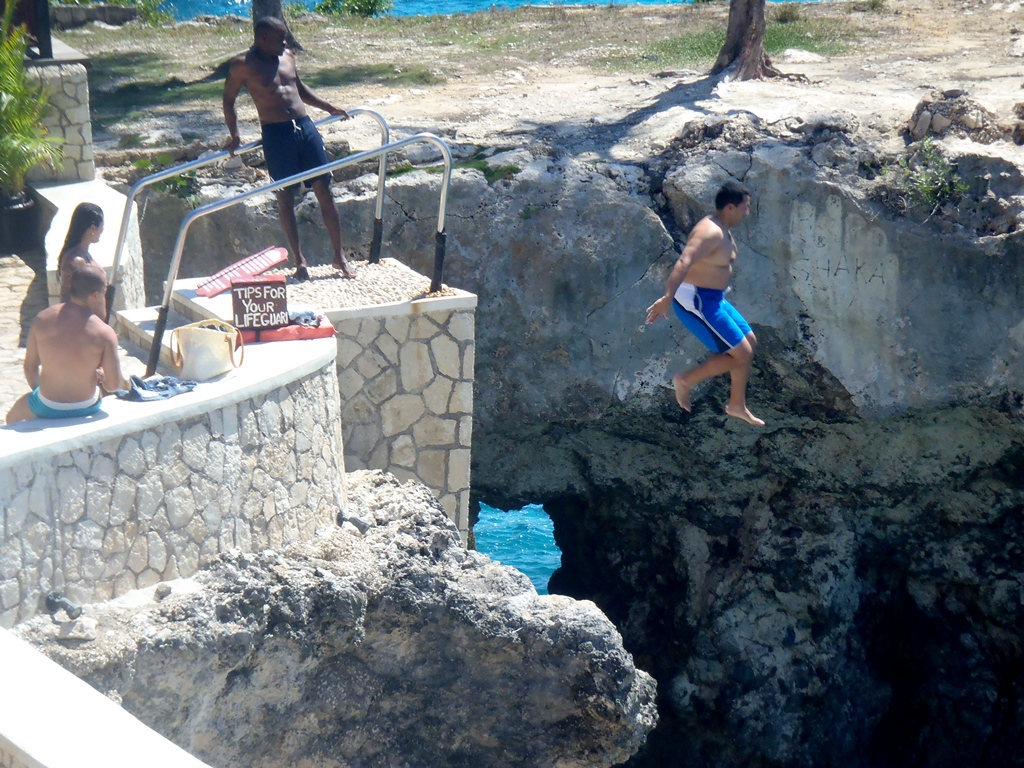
(743, 57)
(261, 8)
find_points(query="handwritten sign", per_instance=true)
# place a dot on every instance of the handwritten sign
(259, 302)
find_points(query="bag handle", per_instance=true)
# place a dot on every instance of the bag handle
(234, 344)
(238, 345)
(176, 359)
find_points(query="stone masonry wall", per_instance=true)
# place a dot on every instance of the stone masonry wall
(406, 386)
(68, 119)
(97, 522)
(72, 16)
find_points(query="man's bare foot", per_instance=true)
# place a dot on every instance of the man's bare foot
(345, 267)
(682, 392)
(745, 414)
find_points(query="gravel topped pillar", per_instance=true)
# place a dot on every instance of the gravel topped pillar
(405, 376)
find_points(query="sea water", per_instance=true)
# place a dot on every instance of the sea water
(522, 538)
(189, 9)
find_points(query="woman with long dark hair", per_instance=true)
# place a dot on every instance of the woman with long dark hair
(85, 230)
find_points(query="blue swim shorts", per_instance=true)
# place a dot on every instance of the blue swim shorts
(292, 147)
(709, 317)
(48, 409)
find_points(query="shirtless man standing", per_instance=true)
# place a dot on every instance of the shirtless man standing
(71, 354)
(696, 291)
(291, 143)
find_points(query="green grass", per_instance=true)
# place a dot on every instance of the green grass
(115, 67)
(502, 173)
(130, 140)
(401, 170)
(380, 74)
(178, 69)
(824, 36)
(128, 84)
(699, 49)
(133, 99)
(689, 50)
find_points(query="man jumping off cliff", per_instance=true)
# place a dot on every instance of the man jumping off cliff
(696, 291)
(291, 143)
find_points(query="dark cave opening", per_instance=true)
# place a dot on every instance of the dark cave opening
(955, 679)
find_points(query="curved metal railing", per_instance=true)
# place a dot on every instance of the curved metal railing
(178, 170)
(218, 205)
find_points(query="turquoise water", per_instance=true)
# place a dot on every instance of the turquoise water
(189, 9)
(522, 538)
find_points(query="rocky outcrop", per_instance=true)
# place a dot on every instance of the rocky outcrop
(392, 647)
(840, 588)
(829, 591)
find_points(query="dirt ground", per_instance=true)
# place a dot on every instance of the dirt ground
(577, 78)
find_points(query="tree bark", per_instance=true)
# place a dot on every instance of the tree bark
(743, 57)
(261, 8)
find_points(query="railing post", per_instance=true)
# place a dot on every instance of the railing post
(167, 173)
(439, 247)
(378, 237)
(158, 339)
(205, 210)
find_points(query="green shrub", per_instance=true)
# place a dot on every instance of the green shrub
(184, 186)
(365, 8)
(925, 180)
(787, 13)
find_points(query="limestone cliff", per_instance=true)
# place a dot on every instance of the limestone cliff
(844, 587)
(392, 647)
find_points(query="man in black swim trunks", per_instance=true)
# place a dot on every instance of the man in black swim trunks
(291, 143)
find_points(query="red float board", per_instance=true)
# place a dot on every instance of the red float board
(250, 266)
(290, 333)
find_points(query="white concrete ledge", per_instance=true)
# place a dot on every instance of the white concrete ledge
(267, 367)
(188, 303)
(51, 719)
(399, 308)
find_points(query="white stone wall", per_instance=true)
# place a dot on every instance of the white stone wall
(154, 505)
(59, 201)
(69, 120)
(8, 760)
(406, 384)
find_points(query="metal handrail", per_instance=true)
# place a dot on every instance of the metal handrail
(177, 170)
(218, 205)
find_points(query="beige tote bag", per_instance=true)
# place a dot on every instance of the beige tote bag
(206, 349)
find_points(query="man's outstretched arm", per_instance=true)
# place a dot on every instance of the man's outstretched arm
(698, 247)
(32, 359)
(232, 87)
(310, 98)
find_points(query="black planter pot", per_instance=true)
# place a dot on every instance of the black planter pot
(19, 225)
